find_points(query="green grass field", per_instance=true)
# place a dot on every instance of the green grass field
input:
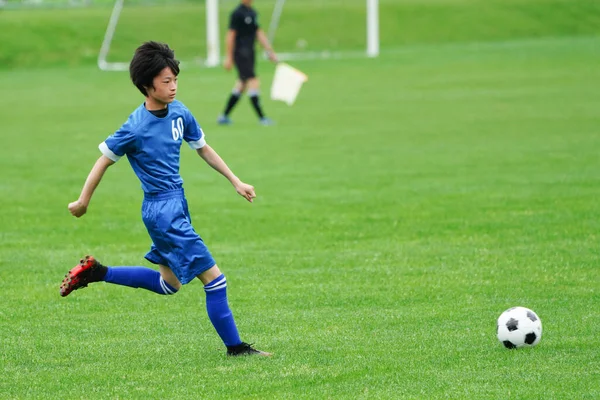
(403, 203)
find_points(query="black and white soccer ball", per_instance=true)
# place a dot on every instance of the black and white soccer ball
(519, 327)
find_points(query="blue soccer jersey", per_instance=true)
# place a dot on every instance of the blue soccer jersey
(153, 145)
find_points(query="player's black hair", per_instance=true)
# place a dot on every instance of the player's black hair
(149, 59)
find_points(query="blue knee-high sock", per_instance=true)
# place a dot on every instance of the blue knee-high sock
(139, 277)
(219, 313)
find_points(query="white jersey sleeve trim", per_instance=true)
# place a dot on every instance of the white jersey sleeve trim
(197, 144)
(108, 152)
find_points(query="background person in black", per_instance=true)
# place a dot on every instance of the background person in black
(239, 42)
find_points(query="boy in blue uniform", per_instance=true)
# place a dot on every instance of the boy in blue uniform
(151, 139)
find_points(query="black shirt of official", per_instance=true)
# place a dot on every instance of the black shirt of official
(244, 21)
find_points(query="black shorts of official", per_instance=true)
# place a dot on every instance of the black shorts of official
(244, 63)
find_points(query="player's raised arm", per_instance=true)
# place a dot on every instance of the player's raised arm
(216, 162)
(79, 206)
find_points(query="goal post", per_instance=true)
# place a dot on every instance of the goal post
(326, 17)
(103, 64)
(213, 56)
(372, 28)
(298, 29)
(275, 19)
(211, 59)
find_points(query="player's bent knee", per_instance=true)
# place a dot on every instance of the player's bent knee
(167, 289)
(168, 277)
(210, 274)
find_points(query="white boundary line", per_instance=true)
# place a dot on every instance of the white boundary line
(410, 49)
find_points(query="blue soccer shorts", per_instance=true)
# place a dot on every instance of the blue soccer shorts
(175, 242)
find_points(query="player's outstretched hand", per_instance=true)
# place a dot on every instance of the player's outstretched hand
(77, 208)
(246, 191)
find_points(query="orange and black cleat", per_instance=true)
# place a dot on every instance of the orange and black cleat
(87, 271)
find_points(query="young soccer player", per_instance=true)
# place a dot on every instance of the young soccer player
(151, 139)
(241, 36)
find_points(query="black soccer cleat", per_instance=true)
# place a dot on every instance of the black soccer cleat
(245, 349)
(87, 271)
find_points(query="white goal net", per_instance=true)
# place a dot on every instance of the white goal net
(195, 28)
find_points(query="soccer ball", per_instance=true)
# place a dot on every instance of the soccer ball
(519, 327)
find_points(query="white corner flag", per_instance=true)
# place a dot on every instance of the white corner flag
(287, 83)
